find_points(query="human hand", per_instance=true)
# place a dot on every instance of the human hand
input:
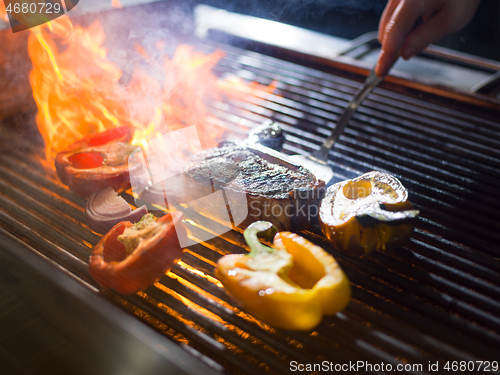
(397, 32)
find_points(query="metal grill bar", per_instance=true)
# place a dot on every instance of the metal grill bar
(429, 170)
(336, 90)
(434, 299)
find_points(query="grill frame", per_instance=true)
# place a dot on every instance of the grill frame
(448, 270)
(81, 333)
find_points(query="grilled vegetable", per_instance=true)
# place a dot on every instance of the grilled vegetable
(268, 134)
(370, 212)
(131, 257)
(290, 286)
(106, 209)
(97, 161)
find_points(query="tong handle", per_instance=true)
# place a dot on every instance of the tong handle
(370, 83)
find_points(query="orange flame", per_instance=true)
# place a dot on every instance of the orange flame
(78, 91)
(116, 4)
(3, 12)
(70, 104)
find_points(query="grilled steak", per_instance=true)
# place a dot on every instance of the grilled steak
(271, 187)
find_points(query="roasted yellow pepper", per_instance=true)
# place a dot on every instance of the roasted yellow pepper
(290, 286)
(370, 212)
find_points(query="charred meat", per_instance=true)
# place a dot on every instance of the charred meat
(271, 187)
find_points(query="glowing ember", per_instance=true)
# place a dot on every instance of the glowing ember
(78, 90)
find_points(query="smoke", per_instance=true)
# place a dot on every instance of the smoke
(278, 10)
(345, 6)
(352, 6)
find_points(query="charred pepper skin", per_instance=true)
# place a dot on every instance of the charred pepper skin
(112, 268)
(371, 212)
(96, 162)
(290, 287)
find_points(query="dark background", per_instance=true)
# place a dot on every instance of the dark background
(351, 18)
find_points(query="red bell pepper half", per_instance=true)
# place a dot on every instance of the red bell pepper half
(97, 161)
(131, 257)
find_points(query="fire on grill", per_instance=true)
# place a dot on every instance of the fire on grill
(427, 304)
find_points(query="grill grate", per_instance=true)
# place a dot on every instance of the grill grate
(434, 299)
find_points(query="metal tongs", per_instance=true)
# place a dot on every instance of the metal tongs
(317, 161)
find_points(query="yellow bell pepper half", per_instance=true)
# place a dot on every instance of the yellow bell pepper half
(290, 286)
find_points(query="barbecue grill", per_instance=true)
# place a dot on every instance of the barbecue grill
(432, 303)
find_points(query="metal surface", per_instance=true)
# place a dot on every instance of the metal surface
(490, 86)
(276, 34)
(436, 66)
(317, 161)
(432, 301)
(52, 324)
(370, 83)
(437, 69)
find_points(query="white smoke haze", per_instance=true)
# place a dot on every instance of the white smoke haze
(164, 159)
(278, 9)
